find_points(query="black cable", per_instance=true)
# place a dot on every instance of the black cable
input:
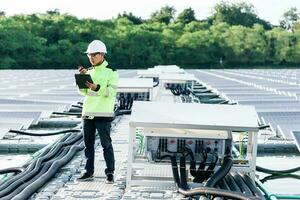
(183, 178)
(192, 161)
(65, 138)
(263, 126)
(127, 103)
(15, 170)
(211, 166)
(272, 171)
(122, 112)
(45, 134)
(158, 150)
(252, 186)
(34, 166)
(224, 102)
(72, 140)
(243, 186)
(67, 113)
(186, 91)
(279, 176)
(221, 172)
(28, 191)
(155, 84)
(27, 176)
(130, 103)
(175, 91)
(8, 182)
(43, 168)
(215, 192)
(163, 157)
(49, 148)
(223, 184)
(77, 106)
(175, 171)
(52, 156)
(231, 183)
(121, 102)
(199, 178)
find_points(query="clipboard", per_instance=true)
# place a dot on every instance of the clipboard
(81, 80)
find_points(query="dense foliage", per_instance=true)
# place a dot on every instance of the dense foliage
(233, 34)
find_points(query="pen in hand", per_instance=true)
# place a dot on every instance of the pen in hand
(82, 70)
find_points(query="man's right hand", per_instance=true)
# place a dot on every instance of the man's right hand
(82, 70)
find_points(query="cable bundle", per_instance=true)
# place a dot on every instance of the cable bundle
(125, 103)
(228, 186)
(42, 169)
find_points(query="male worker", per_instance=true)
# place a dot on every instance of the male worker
(98, 109)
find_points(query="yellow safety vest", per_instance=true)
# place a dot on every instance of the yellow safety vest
(100, 103)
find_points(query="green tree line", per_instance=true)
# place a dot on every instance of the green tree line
(233, 36)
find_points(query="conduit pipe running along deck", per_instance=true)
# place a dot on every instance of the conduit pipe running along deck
(14, 170)
(42, 171)
(40, 153)
(50, 160)
(33, 168)
(279, 176)
(47, 148)
(272, 171)
(45, 134)
(53, 124)
(28, 191)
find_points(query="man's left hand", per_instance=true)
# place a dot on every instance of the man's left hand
(92, 86)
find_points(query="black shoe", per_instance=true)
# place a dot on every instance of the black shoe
(109, 179)
(86, 177)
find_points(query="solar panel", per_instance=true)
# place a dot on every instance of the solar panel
(5, 127)
(296, 136)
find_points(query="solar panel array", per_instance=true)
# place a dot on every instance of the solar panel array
(27, 96)
(296, 136)
(274, 93)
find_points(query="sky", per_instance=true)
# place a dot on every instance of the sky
(270, 10)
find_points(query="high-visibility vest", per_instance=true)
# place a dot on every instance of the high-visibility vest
(100, 103)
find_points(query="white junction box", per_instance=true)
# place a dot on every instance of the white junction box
(176, 80)
(137, 88)
(166, 128)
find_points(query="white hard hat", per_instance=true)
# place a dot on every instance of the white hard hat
(96, 46)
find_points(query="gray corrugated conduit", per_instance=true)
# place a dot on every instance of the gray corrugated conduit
(42, 169)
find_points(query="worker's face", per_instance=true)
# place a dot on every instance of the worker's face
(96, 58)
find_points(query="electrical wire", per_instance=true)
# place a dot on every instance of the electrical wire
(15, 170)
(232, 184)
(67, 113)
(77, 106)
(192, 161)
(279, 176)
(199, 178)
(57, 164)
(252, 186)
(183, 177)
(272, 171)
(44, 134)
(243, 186)
(215, 192)
(46, 155)
(221, 172)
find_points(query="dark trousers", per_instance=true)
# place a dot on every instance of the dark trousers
(89, 129)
